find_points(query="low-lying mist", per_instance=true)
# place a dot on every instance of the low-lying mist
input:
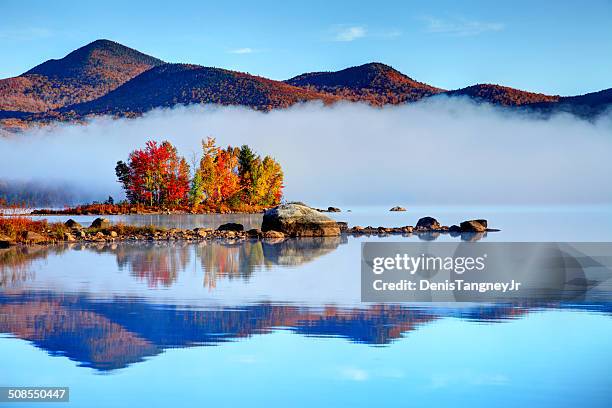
(442, 151)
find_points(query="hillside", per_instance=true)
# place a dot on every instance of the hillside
(587, 105)
(375, 83)
(171, 84)
(85, 74)
(105, 77)
(502, 95)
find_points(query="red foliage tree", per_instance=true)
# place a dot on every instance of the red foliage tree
(156, 176)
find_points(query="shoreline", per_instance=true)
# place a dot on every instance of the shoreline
(229, 233)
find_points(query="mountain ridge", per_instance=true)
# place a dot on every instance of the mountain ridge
(105, 77)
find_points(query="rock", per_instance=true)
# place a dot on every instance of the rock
(408, 229)
(231, 226)
(474, 226)
(72, 224)
(200, 232)
(273, 235)
(343, 226)
(397, 208)
(113, 234)
(428, 223)
(69, 237)
(254, 233)
(100, 223)
(299, 221)
(333, 209)
(31, 237)
(5, 241)
(454, 229)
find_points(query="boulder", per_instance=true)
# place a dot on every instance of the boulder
(72, 224)
(113, 234)
(100, 223)
(69, 237)
(428, 223)
(454, 229)
(231, 226)
(273, 234)
(30, 237)
(254, 233)
(397, 208)
(343, 226)
(333, 209)
(299, 221)
(474, 226)
(5, 241)
(201, 232)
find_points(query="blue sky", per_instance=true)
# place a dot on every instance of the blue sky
(556, 47)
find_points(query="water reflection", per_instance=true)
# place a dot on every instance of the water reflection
(110, 335)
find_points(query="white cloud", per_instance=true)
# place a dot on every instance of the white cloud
(344, 33)
(460, 27)
(244, 50)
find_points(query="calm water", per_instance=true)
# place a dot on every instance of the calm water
(270, 324)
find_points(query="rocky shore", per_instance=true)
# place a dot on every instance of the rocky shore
(284, 221)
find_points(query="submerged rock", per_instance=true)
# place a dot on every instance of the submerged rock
(100, 223)
(397, 208)
(231, 226)
(299, 221)
(474, 226)
(428, 223)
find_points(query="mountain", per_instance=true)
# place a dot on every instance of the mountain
(376, 83)
(105, 77)
(173, 84)
(85, 74)
(587, 105)
(502, 95)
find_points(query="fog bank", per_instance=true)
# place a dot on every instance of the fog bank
(441, 151)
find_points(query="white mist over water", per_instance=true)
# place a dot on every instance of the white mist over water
(441, 151)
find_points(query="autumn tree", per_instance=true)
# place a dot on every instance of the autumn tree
(235, 176)
(155, 176)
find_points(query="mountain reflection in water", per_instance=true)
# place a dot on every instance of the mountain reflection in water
(110, 335)
(74, 310)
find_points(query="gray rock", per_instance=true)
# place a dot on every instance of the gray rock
(100, 223)
(299, 221)
(428, 223)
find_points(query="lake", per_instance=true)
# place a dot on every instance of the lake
(281, 323)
